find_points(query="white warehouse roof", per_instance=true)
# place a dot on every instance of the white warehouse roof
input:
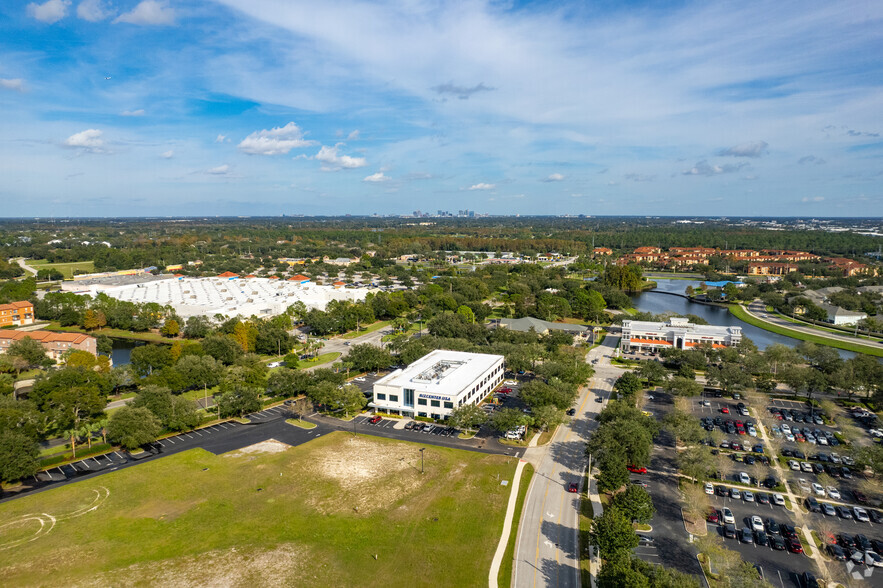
(231, 296)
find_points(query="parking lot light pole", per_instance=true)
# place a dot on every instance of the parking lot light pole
(422, 449)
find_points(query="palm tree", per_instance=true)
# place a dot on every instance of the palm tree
(86, 431)
(73, 433)
(102, 428)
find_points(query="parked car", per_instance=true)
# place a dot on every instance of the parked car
(777, 543)
(637, 469)
(713, 516)
(828, 510)
(728, 516)
(756, 523)
(375, 419)
(730, 531)
(772, 527)
(709, 488)
(735, 493)
(861, 514)
(794, 545)
(778, 499)
(833, 493)
(844, 512)
(746, 536)
(836, 552)
(748, 496)
(574, 487)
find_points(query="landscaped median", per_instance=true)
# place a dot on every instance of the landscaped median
(742, 314)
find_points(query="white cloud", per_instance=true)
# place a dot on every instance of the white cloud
(139, 112)
(220, 138)
(219, 170)
(89, 140)
(149, 12)
(554, 178)
(168, 154)
(753, 149)
(16, 84)
(332, 161)
(703, 168)
(378, 177)
(813, 199)
(482, 186)
(353, 136)
(51, 12)
(277, 141)
(94, 10)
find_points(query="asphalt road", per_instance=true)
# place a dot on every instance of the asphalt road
(547, 548)
(758, 310)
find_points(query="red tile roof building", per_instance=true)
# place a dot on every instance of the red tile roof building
(55, 344)
(16, 313)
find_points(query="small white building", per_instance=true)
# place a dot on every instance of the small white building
(678, 333)
(841, 316)
(437, 383)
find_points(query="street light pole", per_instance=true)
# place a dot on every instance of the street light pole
(422, 449)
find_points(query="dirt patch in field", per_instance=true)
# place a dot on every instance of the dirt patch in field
(282, 565)
(162, 510)
(268, 446)
(371, 475)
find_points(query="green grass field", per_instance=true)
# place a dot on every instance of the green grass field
(742, 314)
(67, 269)
(367, 329)
(318, 360)
(338, 511)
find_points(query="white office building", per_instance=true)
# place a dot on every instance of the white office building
(437, 383)
(677, 333)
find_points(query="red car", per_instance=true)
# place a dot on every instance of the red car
(574, 487)
(636, 469)
(725, 410)
(505, 390)
(374, 420)
(794, 545)
(713, 516)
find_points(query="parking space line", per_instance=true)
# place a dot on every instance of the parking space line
(169, 439)
(120, 456)
(197, 433)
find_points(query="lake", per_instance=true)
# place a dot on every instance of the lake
(656, 302)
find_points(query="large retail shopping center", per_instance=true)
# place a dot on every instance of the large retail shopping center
(437, 383)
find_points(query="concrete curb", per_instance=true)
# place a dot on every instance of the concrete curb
(507, 527)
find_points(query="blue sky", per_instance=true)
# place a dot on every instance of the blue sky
(268, 107)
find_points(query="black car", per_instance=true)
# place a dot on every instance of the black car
(760, 538)
(818, 468)
(787, 453)
(721, 490)
(844, 512)
(876, 517)
(772, 527)
(571, 411)
(862, 542)
(777, 543)
(847, 541)
(762, 498)
(813, 505)
(788, 531)
(749, 459)
(810, 581)
(746, 536)
(770, 483)
(836, 552)
(730, 531)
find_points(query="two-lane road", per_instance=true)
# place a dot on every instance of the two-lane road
(547, 548)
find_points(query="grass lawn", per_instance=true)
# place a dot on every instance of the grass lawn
(740, 313)
(504, 577)
(117, 333)
(367, 329)
(67, 269)
(338, 511)
(324, 358)
(301, 424)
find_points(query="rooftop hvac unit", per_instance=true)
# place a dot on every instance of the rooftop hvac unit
(229, 298)
(250, 300)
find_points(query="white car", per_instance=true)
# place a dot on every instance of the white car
(872, 559)
(804, 485)
(861, 514)
(748, 496)
(756, 523)
(789, 437)
(744, 478)
(728, 516)
(806, 467)
(833, 493)
(709, 488)
(835, 458)
(794, 465)
(818, 489)
(786, 428)
(735, 493)
(823, 440)
(778, 500)
(752, 431)
(706, 403)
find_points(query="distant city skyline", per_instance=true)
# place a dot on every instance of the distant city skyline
(269, 107)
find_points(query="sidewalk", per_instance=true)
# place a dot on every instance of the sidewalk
(507, 524)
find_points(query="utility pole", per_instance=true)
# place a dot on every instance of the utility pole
(422, 449)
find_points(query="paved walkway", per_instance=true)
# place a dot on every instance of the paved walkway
(507, 526)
